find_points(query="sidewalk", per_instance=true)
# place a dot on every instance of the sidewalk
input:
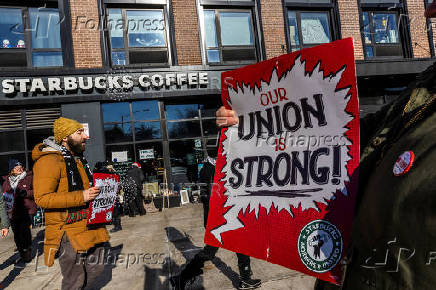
(151, 248)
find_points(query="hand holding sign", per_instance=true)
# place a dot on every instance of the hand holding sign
(90, 193)
(226, 117)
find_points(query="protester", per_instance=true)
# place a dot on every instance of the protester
(18, 196)
(129, 189)
(105, 167)
(62, 185)
(136, 174)
(193, 268)
(4, 220)
(392, 245)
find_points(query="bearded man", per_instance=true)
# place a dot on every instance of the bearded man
(63, 187)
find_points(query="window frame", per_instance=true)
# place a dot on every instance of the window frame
(127, 49)
(222, 47)
(227, 6)
(305, 6)
(29, 50)
(373, 44)
(430, 34)
(403, 30)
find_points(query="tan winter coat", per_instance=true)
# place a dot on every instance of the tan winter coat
(51, 193)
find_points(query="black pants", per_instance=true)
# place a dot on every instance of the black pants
(22, 235)
(139, 204)
(79, 270)
(116, 215)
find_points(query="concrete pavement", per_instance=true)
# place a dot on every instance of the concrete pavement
(149, 250)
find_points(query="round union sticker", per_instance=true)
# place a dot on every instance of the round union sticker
(404, 163)
(108, 215)
(320, 246)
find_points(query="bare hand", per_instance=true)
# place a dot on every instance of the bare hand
(4, 233)
(226, 118)
(90, 193)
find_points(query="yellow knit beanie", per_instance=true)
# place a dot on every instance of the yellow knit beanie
(64, 127)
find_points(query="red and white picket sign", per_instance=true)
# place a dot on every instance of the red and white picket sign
(286, 178)
(101, 208)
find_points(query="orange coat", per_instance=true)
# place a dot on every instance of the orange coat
(50, 186)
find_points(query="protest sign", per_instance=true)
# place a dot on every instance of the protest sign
(286, 176)
(101, 208)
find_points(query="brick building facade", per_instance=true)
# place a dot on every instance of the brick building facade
(168, 56)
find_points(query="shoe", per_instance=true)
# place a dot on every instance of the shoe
(25, 256)
(177, 283)
(249, 284)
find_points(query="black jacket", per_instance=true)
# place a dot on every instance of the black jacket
(138, 176)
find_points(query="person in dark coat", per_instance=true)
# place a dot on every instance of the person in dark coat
(194, 267)
(18, 196)
(136, 174)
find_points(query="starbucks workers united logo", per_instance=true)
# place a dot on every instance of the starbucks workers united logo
(320, 246)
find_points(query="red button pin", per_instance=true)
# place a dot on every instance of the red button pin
(404, 163)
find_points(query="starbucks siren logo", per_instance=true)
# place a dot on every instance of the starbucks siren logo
(320, 246)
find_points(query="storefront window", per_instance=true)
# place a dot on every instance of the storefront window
(117, 133)
(189, 126)
(177, 112)
(210, 127)
(116, 112)
(234, 41)
(137, 36)
(147, 130)
(185, 129)
(120, 153)
(145, 110)
(185, 157)
(151, 159)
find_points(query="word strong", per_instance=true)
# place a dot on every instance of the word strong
(287, 118)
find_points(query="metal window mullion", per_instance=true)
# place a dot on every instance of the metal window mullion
(108, 35)
(125, 35)
(286, 11)
(253, 34)
(372, 32)
(132, 124)
(300, 33)
(27, 36)
(165, 143)
(167, 34)
(24, 127)
(218, 34)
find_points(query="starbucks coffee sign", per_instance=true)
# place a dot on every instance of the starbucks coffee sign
(121, 82)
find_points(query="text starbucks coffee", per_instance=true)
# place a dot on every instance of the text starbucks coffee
(86, 83)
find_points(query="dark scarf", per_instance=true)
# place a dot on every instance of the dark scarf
(75, 183)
